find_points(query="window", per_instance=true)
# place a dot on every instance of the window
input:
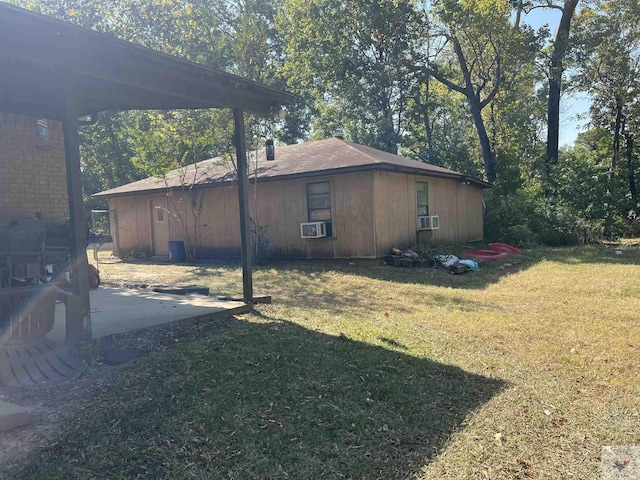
(319, 204)
(422, 198)
(159, 214)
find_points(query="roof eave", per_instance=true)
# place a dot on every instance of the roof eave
(320, 173)
(109, 73)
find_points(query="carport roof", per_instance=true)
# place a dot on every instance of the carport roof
(40, 56)
(309, 159)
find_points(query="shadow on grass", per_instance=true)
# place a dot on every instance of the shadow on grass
(308, 275)
(266, 400)
(490, 272)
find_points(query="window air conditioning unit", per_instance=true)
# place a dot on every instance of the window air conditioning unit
(429, 222)
(313, 230)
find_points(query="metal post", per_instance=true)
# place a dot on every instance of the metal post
(79, 262)
(243, 202)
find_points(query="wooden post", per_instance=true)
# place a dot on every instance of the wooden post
(79, 262)
(243, 201)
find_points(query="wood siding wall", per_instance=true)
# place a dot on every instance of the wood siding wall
(280, 206)
(372, 212)
(458, 205)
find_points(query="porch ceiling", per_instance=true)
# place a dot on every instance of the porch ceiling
(39, 55)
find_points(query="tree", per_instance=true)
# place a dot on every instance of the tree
(556, 69)
(439, 130)
(352, 58)
(609, 55)
(554, 66)
(610, 64)
(470, 58)
(106, 154)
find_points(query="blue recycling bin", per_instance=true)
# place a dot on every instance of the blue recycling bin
(177, 252)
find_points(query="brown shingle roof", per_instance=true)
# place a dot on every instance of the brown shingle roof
(318, 157)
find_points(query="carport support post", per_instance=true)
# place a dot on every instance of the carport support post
(81, 321)
(243, 201)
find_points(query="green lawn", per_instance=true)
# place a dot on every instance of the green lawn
(523, 369)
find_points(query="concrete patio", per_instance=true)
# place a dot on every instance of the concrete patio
(115, 311)
(123, 310)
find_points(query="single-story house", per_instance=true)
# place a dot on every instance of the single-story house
(319, 199)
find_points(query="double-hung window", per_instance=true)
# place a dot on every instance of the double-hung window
(319, 204)
(422, 199)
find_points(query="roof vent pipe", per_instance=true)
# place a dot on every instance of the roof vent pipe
(270, 150)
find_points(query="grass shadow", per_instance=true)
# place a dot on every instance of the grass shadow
(489, 272)
(266, 400)
(309, 275)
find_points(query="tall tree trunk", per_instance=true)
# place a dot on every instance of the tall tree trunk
(633, 188)
(518, 8)
(616, 139)
(476, 104)
(488, 158)
(426, 119)
(429, 132)
(555, 83)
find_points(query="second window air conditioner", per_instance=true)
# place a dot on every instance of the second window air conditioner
(429, 222)
(313, 230)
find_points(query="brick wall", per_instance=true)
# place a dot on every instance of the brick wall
(32, 173)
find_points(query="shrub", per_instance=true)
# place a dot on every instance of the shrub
(519, 236)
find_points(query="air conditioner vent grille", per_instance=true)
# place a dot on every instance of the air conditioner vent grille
(313, 230)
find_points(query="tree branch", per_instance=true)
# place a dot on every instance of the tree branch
(548, 5)
(495, 89)
(442, 79)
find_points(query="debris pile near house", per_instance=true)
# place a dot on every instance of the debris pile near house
(407, 259)
(456, 265)
(451, 263)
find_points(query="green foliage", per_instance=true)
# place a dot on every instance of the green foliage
(441, 131)
(106, 155)
(164, 141)
(520, 236)
(588, 205)
(352, 59)
(507, 216)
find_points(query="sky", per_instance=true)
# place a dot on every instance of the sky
(571, 106)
